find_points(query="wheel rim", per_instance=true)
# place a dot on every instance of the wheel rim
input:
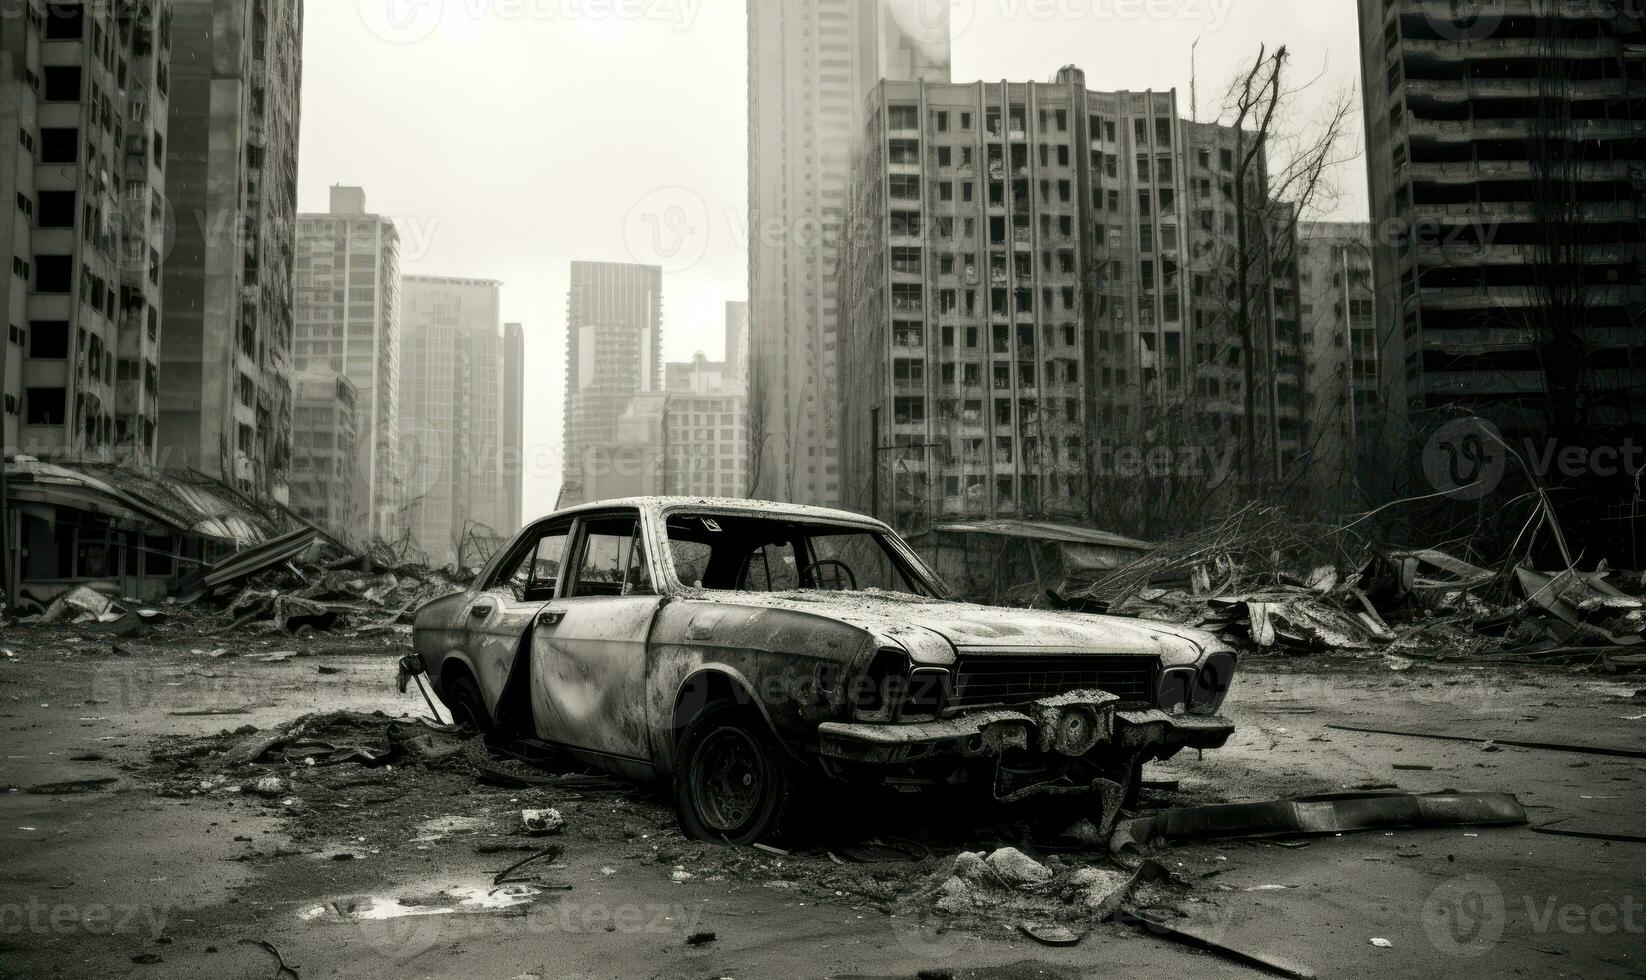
(729, 780)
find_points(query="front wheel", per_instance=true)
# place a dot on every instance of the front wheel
(732, 780)
(467, 707)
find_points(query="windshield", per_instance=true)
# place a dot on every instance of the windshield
(730, 553)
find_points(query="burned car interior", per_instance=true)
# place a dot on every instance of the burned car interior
(733, 553)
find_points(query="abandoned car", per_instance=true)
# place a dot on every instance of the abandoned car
(744, 652)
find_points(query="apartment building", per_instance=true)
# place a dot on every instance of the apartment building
(347, 272)
(705, 429)
(225, 369)
(452, 417)
(1343, 395)
(328, 481)
(811, 65)
(737, 339)
(1507, 164)
(84, 94)
(1036, 277)
(614, 354)
(514, 427)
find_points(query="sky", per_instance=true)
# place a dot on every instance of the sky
(508, 138)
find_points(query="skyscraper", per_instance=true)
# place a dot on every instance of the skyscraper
(80, 286)
(225, 371)
(451, 419)
(737, 340)
(514, 426)
(348, 322)
(614, 350)
(811, 64)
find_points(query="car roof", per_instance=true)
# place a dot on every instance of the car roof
(764, 508)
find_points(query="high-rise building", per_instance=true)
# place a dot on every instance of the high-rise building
(614, 352)
(1035, 277)
(84, 92)
(737, 340)
(1343, 393)
(705, 429)
(327, 480)
(811, 65)
(451, 417)
(225, 369)
(514, 427)
(1507, 171)
(348, 323)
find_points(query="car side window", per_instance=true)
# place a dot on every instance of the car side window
(536, 570)
(613, 560)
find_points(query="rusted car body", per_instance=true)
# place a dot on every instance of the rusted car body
(740, 650)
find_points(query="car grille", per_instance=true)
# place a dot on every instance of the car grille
(1018, 680)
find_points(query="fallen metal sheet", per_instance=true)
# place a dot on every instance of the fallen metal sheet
(1555, 831)
(1334, 814)
(1548, 746)
(1188, 937)
(243, 564)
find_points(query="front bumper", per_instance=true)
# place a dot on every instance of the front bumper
(1069, 725)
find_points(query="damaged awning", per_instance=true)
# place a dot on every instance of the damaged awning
(138, 496)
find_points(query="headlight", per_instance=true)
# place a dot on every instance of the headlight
(890, 689)
(1212, 683)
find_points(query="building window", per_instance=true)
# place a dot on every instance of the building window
(57, 209)
(62, 83)
(49, 339)
(45, 406)
(65, 21)
(59, 145)
(53, 273)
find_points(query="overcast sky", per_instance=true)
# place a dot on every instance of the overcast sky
(510, 137)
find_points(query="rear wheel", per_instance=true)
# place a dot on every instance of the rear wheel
(732, 780)
(467, 706)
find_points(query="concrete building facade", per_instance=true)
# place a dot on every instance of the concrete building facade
(348, 300)
(811, 65)
(614, 353)
(328, 483)
(225, 369)
(737, 339)
(1507, 165)
(84, 95)
(1034, 279)
(705, 429)
(451, 422)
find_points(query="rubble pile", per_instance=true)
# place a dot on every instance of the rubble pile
(1262, 583)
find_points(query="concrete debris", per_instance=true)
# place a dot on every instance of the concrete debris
(1015, 868)
(539, 822)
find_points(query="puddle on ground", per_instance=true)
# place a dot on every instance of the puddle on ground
(440, 827)
(452, 900)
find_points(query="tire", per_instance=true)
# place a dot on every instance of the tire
(467, 707)
(732, 781)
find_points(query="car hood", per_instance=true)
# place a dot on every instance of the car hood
(972, 629)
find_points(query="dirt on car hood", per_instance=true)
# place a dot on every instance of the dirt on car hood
(973, 629)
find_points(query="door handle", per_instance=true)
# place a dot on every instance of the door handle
(552, 617)
(480, 612)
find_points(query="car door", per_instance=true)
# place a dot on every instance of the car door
(498, 615)
(589, 646)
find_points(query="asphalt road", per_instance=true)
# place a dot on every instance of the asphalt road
(113, 879)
